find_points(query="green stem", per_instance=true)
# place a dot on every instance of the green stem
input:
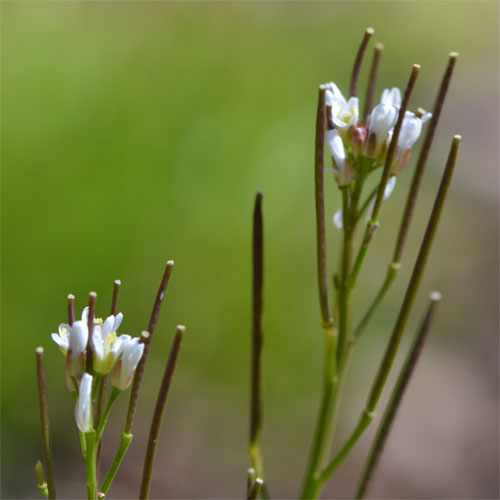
(104, 419)
(90, 462)
(324, 424)
(392, 272)
(344, 293)
(125, 441)
(363, 423)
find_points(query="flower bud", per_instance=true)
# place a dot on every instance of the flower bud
(75, 358)
(343, 171)
(381, 121)
(83, 407)
(124, 370)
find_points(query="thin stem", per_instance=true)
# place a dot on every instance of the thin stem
(320, 209)
(363, 423)
(125, 441)
(422, 159)
(392, 272)
(90, 462)
(71, 309)
(102, 423)
(151, 327)
(250, 479)
(396, 397)
(154, 431)
(92, 300)
(345, 289)
(415, 279)
(359, 60)
(372, 80)
(254, 447)
(44, 421)
(324, 424)
(116, 297)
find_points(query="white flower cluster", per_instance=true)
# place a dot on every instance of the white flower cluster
(369, 138)
(109, 350)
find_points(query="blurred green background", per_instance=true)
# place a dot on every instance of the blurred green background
(136, 132)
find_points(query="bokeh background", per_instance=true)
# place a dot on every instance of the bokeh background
(136, 132)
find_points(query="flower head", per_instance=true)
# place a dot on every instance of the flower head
(62, 337)
(343, 113)
(131, 353)
(83, 407)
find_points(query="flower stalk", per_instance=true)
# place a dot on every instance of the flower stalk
(45, 424)
(154, 431)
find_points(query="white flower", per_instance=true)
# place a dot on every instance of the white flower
(380, 122)
(83, 407)
(343, 171)
(411, 128)
(124, 370)
(391, 97)
(62, 338)
(107, 346)
(344, 113)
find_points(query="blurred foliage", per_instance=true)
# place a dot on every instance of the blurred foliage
(134, 132)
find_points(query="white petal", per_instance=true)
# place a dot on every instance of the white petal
(426, 117)
(85, 314)
(60, 341)
(391, 97)
(118, 321)
(336, 146)
(98, 343)
(78, 338)
(338, 219)
(107, 326)
(389, 187)
(333, 92)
